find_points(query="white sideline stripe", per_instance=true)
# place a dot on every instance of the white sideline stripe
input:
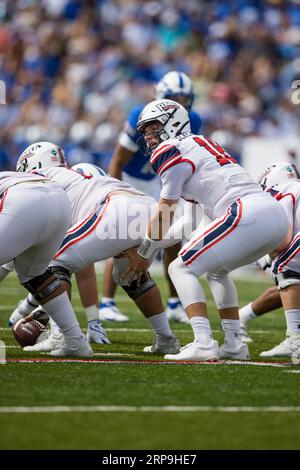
(149, 409)
(292, 371)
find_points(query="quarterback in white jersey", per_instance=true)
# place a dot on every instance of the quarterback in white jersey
(34, 216)
(246, 224)
(109, 216)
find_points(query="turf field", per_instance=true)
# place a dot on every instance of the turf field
(124, 399)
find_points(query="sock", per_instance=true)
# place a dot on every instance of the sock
(55, 331)
(173, 300)
(92, 313)
(61, 311)
(246, 313)
(201, 329)
(109, 300)
(293, 321)
(232, 330)
(160, 324)
(28, 305)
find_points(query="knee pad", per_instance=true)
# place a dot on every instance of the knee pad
(41, 287)
(134, 291)
(61, 273)
(287, 278)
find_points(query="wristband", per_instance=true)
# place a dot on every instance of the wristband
(148, 247)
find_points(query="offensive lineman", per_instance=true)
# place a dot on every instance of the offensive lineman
(35, 214)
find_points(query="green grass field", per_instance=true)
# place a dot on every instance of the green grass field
(123, 398)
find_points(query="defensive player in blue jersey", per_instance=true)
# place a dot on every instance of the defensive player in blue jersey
(132, 165)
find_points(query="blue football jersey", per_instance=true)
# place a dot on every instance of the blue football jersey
(139, 166)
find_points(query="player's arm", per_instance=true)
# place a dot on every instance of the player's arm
(120, 158)
(139, 260)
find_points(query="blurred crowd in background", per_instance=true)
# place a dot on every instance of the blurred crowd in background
(74, 69)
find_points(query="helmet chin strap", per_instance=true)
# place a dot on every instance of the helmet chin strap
(181, 128)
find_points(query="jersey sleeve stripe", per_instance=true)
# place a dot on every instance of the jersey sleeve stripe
(173, 162)
(160, 151)
(164, 157)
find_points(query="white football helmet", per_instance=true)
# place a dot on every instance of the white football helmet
(278, 173)
(174, 86)
(89, 169)
(41, 155)
(171, 115)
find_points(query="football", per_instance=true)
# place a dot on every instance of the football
(27, 333)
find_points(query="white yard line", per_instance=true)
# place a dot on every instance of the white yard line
(149, 409)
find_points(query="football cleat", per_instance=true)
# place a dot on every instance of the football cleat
(196, 352)
(96, 333)
(16, 315)
(176, 312)
(108, 311)
(234, 351)
(163, 345)
(285, 349)
(74, 346)
(49, 344)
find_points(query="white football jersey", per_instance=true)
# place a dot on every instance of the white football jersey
(11, 178)
(85, 192)
(288, 195)
(200, 170)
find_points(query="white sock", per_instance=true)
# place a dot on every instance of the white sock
(107, 299)
(160, 324)
(92, 313)
(28, 305)
(293, 321)
(246, 313)
(55, 331)
(173, 300)
(201, 329)
(231, 330)
(61, 311)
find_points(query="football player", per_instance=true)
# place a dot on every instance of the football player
(35, 214)
(108, 216)
(87, 286)
(281, 180)
(132, 165)
(246, 224)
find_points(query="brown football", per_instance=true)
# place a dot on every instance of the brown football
(27, 333)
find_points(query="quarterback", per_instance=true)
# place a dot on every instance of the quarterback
(246, 224)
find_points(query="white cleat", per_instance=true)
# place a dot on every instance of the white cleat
(74, 346)
(96, 333)
(108, 311)
(176, 312)
(285, 349)
(238, 351)
(16, 315)
(196, 352)
(163, 345)
(49, 344)
(245, 335)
